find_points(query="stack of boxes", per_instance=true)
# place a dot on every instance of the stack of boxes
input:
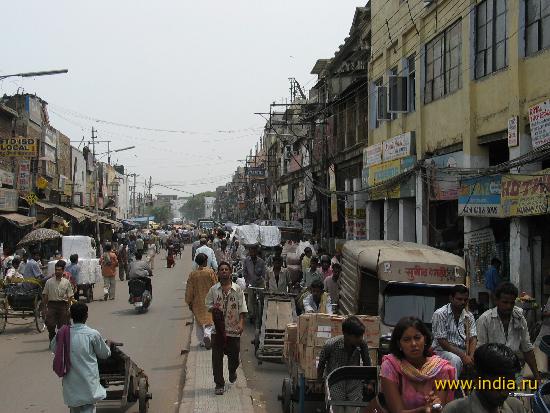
(305, 340)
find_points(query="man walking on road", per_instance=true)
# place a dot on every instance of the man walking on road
(57, 294)
(109, 264)
(254, 276)
(123, 261)
(81, 387)
(226, 302)
(209, 252)
(198, 284)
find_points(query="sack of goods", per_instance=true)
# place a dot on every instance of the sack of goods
(305, 340)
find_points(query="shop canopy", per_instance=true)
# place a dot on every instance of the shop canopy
(18, 219)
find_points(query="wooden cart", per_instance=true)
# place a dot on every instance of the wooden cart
(297, 390)
(22, 305)
(279, 309)
(131, 382)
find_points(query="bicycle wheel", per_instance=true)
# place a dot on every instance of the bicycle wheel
(39, 316)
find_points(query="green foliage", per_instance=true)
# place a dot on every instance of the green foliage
(193, 209)
(163, 213)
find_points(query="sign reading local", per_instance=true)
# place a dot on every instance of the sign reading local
(18, 146)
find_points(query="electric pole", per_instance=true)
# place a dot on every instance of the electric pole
(149, 198)
(133, 196)
(96, 191)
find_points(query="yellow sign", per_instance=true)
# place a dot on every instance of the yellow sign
(18, 146)
(524, 195)
(31, 198)
(41, 182)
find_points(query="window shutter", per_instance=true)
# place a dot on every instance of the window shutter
(398, 94)
(382, 103)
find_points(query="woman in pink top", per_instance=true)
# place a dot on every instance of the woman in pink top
(408, 374)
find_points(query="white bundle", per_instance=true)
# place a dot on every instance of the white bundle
(248, 234)
(270, 236)
(77, 244)
(90, 270)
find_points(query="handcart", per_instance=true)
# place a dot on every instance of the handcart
(297, 389)
(130, 381)
(359, 373)
(22, 300)
(279, 309)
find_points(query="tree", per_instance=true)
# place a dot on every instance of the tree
(162, 213)
(193, 209)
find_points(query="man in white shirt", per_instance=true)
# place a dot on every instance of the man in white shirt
(317, 301)
(209, 252)
(56, 296)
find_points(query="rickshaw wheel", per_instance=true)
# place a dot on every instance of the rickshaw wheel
(39, 317)
(3, 316)
(286, 396)
(143, 396)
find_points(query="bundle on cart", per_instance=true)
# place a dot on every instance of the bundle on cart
(23, 294)
(305, 340)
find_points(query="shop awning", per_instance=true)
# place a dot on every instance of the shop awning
(84, 212)
(109, 221)
(79, 216)
(18, 219)
(44, 205)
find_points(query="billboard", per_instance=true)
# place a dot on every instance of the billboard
(377, 174)
(539, 119)
(480, 197)
(18, 146)
(524, 195)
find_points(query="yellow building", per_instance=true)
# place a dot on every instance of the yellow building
(446, 80)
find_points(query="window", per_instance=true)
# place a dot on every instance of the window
(443, 63)
(411, 82)
(381, 102)
(490, 37)
(537, 25)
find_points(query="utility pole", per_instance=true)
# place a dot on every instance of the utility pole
(149, 197)
(133, 196)
(96, 190)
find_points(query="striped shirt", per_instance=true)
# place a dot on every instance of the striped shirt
(444, 326)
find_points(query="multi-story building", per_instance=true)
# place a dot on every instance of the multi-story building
(453, 86)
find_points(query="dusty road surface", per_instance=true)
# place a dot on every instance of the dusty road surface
(154, 340)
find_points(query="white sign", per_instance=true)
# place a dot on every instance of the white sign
(24, 176)
(398, 147)
(481, 236)
(50, 137)
(513, 131)
(6, 178)
(8, 199)
(539, 119)
(372, 155)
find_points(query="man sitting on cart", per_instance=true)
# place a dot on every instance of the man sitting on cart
(317, 301)
(348, 349)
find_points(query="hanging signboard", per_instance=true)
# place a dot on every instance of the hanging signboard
(255, 171)
(445, 183)
(513, 131)
(333, 198)
(8, 200)
(24, 176)
(34, 108)
(398, 147)
(7, 178)
(372, 155)
(539, 119)
(524, 195)
(480, 197)
(50, 137)
(18, 146)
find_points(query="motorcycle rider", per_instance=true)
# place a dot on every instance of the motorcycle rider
(140, 269)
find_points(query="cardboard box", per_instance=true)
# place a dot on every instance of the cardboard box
(291, 337)
(291, 333)
(310, 362)
(372, 329)
(321, 327)
(303, 325)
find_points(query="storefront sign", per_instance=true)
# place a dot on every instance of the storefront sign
(377, 174)
(283, 194)
(445, 183)
(41, 182)
(398, 147)
(8, 199)
(524, 195)
(34, 108)
(372, 155)
(7, 178)
(49, 153)
(255, 171)
(539, 119)
(24, 176)
(481, 236)
(333, 199)
(513, 131)
(307, 226)
(50, 137)
(480, 197)
(19, 146)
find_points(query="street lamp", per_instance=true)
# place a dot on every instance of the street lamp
(35, 74)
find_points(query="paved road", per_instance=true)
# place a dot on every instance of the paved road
(154, 340)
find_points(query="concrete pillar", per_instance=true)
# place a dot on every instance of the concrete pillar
(407, 219)
(520, 255)
(420, 211)
(359, 214)
(373, 220)
(391, 219)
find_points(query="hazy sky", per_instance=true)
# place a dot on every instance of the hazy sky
(196, 66)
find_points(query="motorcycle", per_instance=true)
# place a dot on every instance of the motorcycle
(140, 293)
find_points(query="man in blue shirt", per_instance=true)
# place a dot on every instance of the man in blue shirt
(32, 267)
(492, 277)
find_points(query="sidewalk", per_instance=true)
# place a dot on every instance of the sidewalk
(198, 392)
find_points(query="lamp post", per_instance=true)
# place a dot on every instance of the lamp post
(35, 74)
